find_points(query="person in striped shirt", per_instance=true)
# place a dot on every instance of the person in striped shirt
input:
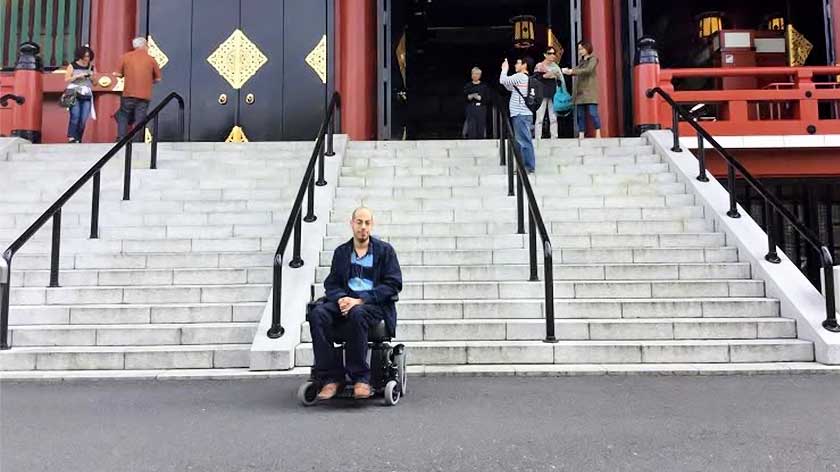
(520, 115)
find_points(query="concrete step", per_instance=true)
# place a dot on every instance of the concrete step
(132, 335)
(126, 357)
(731, 307)
(597, 352)
(160, 260)
(590, 329)
(578, 290)
(136, 313)
(147, 277)
(140, 294)
(478, 266)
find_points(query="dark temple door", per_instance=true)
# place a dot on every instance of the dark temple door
(259, 65)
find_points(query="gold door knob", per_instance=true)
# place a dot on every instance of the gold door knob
(250, 99)
(223, 99)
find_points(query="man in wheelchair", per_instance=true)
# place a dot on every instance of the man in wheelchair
(363, 283)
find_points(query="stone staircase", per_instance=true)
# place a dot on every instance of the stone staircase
(181, 273)
(642, 278)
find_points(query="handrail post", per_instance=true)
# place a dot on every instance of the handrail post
(701, 158)
(94, 206)
(321, 182)
(55, 252)
(520, 202)
(153, 164)
(181, 119)
(769, 216)
(549, 293)
(330, 134)
(733, 204)
(5, 285)
(510, 157)
(296, 261)
(502, 136)
(127, 173)
(532, 245)
(830, 322)
(276, 330)
(675, 130)
(310, 201)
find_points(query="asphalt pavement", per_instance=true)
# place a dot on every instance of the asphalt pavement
(603, 423)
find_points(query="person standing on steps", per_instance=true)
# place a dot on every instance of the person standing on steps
(78, 77)
(548, 72)
(520, 115)
(477, 96)
(364, 279)
(141, 72)
(585, 94)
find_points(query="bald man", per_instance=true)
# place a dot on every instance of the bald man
(364, 279)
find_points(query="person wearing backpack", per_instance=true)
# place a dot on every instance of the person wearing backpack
(547, 72)
(521, 109)
(586, 89)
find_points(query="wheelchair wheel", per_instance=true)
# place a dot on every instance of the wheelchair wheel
(402, 372)
(308, 393)
(392, 393)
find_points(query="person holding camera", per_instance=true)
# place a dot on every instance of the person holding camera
(78, 93)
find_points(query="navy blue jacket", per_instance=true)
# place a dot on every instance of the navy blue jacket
(387, 278)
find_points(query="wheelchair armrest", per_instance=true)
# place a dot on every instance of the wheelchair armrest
(311, 305)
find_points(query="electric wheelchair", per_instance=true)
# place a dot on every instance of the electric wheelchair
(387, 364)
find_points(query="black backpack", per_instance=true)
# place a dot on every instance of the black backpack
(535, 93)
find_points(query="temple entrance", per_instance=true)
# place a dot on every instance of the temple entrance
(427, 50)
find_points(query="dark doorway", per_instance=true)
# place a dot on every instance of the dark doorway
(443, 41)
(277, 93)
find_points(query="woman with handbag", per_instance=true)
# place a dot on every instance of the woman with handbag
(78, 93)
(586, 89)
(547, 71)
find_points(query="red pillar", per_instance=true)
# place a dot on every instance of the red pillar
(356, 50)
(27, 119)
(597, 16)
(113, 26)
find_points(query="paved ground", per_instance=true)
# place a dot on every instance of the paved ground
(785, 423)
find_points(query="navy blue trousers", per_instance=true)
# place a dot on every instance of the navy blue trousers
(329, 365)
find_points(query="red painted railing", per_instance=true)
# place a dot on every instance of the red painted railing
(796, 104)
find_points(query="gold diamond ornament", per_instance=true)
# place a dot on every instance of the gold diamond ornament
(237, 59)
(156, 52)
(317, 59)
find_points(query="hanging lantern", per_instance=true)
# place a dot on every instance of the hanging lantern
(709, 23)
(523, 31)
(776, 23)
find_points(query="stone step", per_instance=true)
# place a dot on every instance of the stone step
(216, 260)
(578, 290)
(478, 266)
(147, 277)
(559, 229)
(140, 294)
(490, 160)
(126, 357)
(132, 335)
(137, 313)
(595, 242)
(128, 246)
(591, 329)
(435, 256)
(597, 352)
(505, 211)
(591, 308)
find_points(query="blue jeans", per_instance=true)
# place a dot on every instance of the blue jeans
(580, 113)
(522, 130)
(79, 114)
(329, 366)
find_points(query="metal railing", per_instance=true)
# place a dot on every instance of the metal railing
(510, 156)
(54, 211)
(772, 205)
(323, 147)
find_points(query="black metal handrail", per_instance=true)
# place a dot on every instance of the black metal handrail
(510, 155)
(54, 211)
(771, 202)
(293, 225)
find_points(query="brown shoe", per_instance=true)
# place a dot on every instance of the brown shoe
(328, 391)
(361, 391)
